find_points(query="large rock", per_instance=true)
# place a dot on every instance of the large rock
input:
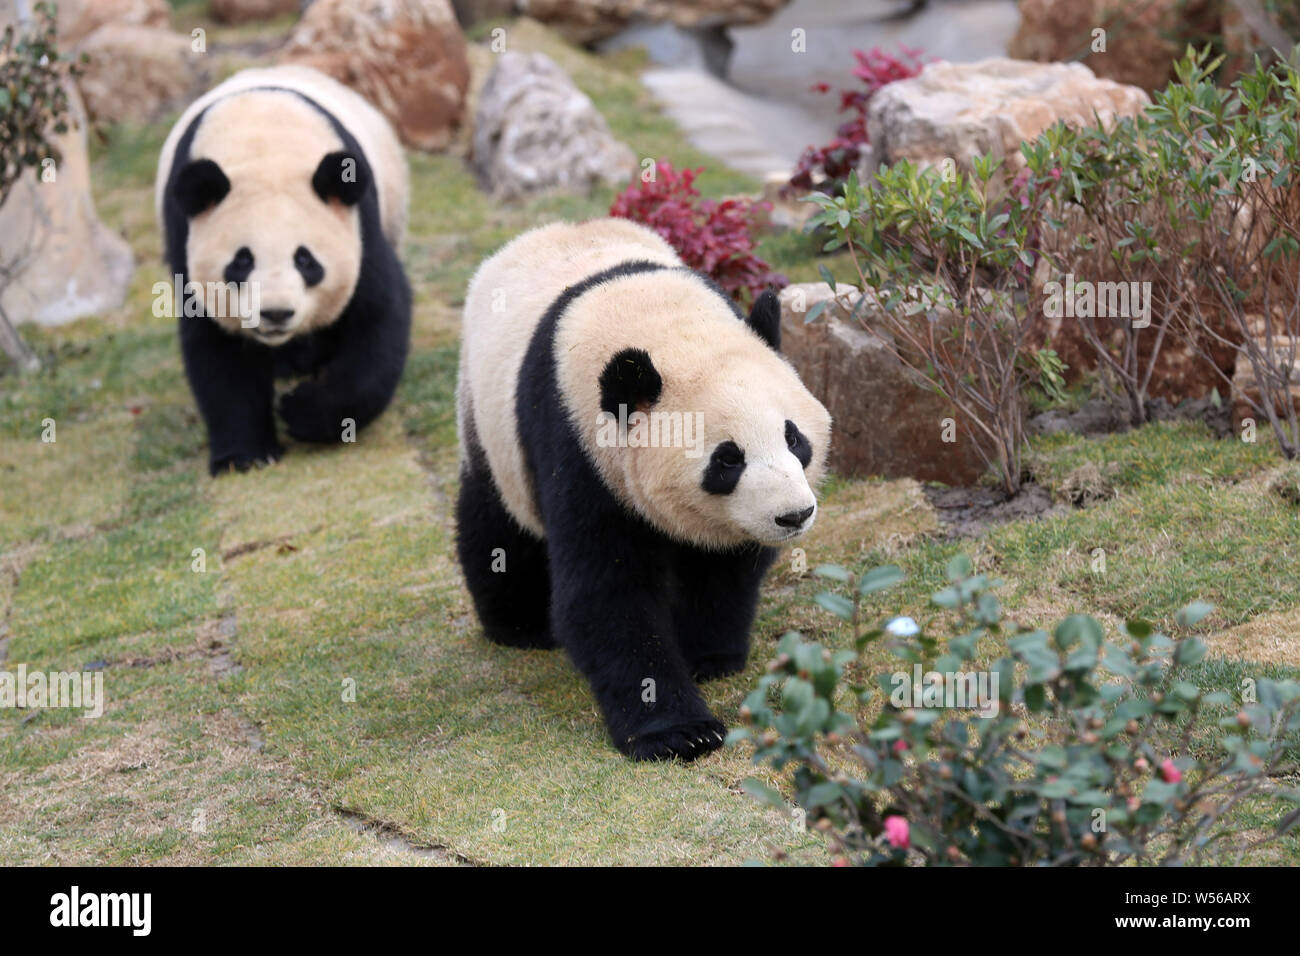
(78, 19)
(535, 130)
(1142, 39)
(138, 73)
(961, 110)
(470, 12)
(66, 262)
(1247, 400)
(407, 57)
(887, 421)
(249, 11)
(586, 21)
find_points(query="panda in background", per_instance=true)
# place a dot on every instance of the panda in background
(287, 181)
(641, 558)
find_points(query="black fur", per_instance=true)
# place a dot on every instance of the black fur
(199, 186)
(343, 176)
(629, 380)
(765, 318)
(798, 443)
(627, 603)
(354, 364)
(726, 465)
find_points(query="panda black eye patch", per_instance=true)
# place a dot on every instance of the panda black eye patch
(240, 266)
(311, 271)
(725, 467)
(799, 446)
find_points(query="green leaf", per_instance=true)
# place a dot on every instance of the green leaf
(1189, 652)
(841, 607)
(959, 567)
(815, 311)
(877, 579)
(832, 571)
(826, 276)
(1193, 613)
(762, 793)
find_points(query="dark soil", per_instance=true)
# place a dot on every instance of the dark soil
(1100, 417)
(969, 512)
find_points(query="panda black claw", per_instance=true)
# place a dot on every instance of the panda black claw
(685, 743)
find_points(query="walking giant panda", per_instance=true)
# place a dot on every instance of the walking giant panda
(285, 183)
(576, 527)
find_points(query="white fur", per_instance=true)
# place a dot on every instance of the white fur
(710, 363)
(378, 141)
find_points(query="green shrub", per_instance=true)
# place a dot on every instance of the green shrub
(1082, 751)
(944, 257)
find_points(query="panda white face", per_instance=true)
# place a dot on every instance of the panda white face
(756, 452)
(761, 486)
(291, 249)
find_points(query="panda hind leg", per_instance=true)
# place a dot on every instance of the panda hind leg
(505, 567)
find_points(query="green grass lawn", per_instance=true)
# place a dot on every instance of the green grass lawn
(321, 692)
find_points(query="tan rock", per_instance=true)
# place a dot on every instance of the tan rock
(406, 56)
(78, 19)
(65, 262)
(138, 74)
(534, 130)
(470, 12)
(1142, 40)
(960, 110)
(1246, 395)
(250, 11)
(887, 420)
(586, 21)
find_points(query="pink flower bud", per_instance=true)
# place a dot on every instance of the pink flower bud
(897, 832)
(1169, 773)
(900, 746)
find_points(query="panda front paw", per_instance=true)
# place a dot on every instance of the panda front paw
(243, 461)
(685, 741)
(308, 417)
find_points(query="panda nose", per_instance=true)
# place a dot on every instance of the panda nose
(277, 316)
(795, 519)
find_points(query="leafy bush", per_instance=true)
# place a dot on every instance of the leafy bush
(945, 259)
(1196, 197)
(825, 168)
(711, 237)
(1091, 753)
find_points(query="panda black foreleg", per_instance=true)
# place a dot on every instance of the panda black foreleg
(714, 606)
(232, 381)
(505, 566)
(611, 611)
(357, 381)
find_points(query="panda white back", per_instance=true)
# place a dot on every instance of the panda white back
(506, 299)
(715, 369)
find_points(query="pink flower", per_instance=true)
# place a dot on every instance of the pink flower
(897, 832)
(1169, 773)
(900, 746)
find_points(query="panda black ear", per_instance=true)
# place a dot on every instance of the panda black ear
(629, 379)
(199, 186)
(343, 176)
(765, 318)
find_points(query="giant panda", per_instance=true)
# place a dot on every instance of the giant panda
(573, 528)
(286, 181)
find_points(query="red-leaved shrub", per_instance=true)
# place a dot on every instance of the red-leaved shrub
(711, 237)
(832, 163)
